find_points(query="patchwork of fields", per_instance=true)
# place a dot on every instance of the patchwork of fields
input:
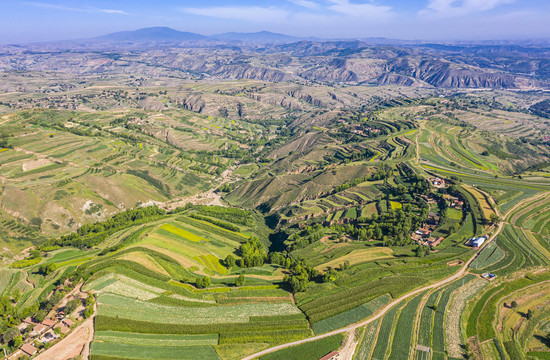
(321, 234)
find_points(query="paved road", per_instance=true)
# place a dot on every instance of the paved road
(384, 310)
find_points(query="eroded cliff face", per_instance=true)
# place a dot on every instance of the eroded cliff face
(344, 62)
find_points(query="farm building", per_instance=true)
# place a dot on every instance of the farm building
(457, 204)
(333, 355)
(434, 242)
(38, 329)
(437, 182)
(423, 232)
(477, 242)
(29, 349)
(68, 322)
(48, 322)
(488, 276)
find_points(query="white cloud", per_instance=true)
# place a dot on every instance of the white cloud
(112, 11)
(367, 11)
(74, 9)
(450, 8)
(247, 13)
(306, 3)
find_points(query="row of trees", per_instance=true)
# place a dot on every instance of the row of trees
(89, 235)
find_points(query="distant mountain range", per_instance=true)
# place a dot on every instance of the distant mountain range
(152, 34)
(269, 56)
(168, 35)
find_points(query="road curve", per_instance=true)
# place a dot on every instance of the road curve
(386, 308)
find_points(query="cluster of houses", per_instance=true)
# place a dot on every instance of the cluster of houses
(476, 242)
(45, 331)
(456, 203)
(422, 235)
(364, 131)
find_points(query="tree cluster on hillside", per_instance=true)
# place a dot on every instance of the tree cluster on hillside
(303, 238)
(252, 253)
(300, 273)
(234, 215)
(89, 235)
(4, 141)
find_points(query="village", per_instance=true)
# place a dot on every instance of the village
(39, 336)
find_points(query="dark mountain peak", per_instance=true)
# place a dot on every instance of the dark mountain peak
(156, 34)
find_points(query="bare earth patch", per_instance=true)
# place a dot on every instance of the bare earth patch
(29, 165)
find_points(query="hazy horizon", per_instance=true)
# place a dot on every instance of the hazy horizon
(437, 20)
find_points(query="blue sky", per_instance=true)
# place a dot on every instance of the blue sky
(41, 20)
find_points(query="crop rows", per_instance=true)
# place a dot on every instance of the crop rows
(367, 342)
(347, 299)
(490, 255)
(156, 339)
(350, 316)
(402, 338)
(132, 351)
(384, 334)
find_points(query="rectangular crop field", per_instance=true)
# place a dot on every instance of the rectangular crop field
(154, 352)
(171, 229)
(156, 339)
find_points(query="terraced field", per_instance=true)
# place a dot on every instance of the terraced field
(321, 234)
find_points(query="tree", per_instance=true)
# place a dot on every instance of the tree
(41, 315)
(47, 269)
(239, 280)
(229, 261)
(34, 253)
(11, 334)
(297, 282)
(71, 306)
(88, 312)
(330, 275)
(514, 304)
(345, 265)
(16, 295)
(252, 253)
(203, 282)
(17, 342)
(530, 314)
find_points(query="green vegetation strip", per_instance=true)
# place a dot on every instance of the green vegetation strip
(156, 339)
(379, 352)
(402, 338)
(127, 351)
